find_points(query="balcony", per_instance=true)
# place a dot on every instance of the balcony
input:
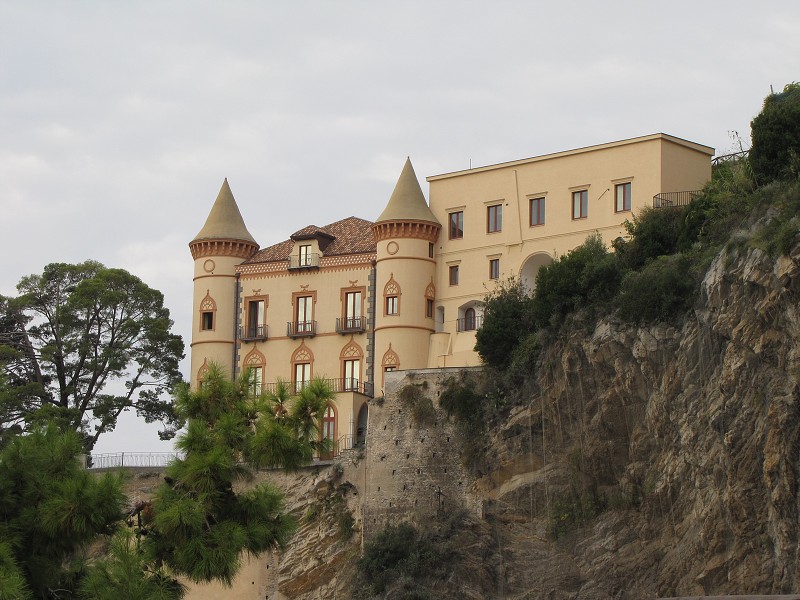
(350, 325)
(298, 329)
(469, 323)
(675, 199)
(338, 386)
(253, 332)
(308, 261)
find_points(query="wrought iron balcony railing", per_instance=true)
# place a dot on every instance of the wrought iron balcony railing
(350, 325)
(675, 199)
(469, 323)
(338, 386)
(308, 261)
(253, 332)
(296, 329)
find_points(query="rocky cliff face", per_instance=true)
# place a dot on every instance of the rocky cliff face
(664, 459)
(640, 463)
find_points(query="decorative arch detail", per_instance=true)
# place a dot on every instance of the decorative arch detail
(303, 354)
(208, 302)
(430, 291)
(392, 288)
(351, 351)
(202, 372)
(390, 358)
(255, 358)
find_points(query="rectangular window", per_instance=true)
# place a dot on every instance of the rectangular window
(352, 374)
(454, 275)
(430, 250)
(494, 268)
(429, 308)
(622, 193)
(537, 211)
(256, 380)
(391, 305)
(207, 321)
(456, 228)
(303, 312)
(302, 375)
(494, 218)
(305, 256)
(352, 310)
(580, 204)
(256, 319)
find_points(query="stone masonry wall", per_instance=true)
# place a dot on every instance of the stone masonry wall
(412, 470)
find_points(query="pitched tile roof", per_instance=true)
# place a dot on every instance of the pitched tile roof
(351, 236)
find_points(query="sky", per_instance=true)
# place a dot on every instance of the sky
(120, 120)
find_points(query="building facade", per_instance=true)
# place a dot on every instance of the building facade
(354, 299)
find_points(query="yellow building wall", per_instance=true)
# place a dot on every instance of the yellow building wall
(325, 349)
(406, 262)
(214, 278)
(650, 164)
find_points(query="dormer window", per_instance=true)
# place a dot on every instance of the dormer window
(305, 255)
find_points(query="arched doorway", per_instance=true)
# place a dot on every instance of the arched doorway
(530, 268)
(329, 432)
(361, 426)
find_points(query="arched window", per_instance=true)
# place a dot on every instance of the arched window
(302, 361)
(350, 358)
(255, 362)
(328, 432)
(469, 319)
(208, 313)
(430, 297)
(390, 362)
(391, 297)
(202, 373)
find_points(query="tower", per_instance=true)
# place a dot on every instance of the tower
(405, 270)
(221, 245)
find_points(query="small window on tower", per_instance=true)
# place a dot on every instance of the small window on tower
(207, 323)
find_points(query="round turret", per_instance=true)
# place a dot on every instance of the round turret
(221, 245)
(405, 234)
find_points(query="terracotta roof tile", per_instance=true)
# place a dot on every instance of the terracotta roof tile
(351, 236)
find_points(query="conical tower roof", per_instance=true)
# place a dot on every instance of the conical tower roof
(407, 202)
(224, 222)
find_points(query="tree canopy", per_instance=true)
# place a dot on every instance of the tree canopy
(200, 520)
(81, 344)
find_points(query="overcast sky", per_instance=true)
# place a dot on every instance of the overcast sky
(120, 120)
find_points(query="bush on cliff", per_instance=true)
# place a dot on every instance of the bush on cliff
(776, 137)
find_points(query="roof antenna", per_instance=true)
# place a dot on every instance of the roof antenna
(470, 163)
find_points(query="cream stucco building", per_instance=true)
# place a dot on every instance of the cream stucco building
(354, 299)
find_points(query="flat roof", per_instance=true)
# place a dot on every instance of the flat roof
(645, 138)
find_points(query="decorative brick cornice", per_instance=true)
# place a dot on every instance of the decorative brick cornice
(422, 230)
(327, 263)
(238, 248)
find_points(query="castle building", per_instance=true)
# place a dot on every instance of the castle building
(354, 299)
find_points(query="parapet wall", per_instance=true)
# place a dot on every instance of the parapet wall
(412, 470)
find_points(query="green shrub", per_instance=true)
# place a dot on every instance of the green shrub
(507, 317)
(775, 153)
(394, 553)
(468, 407)
(586, 275)
(663, 289)
(345, 523)
(653, 232)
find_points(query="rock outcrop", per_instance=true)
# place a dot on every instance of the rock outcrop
(669, 454)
